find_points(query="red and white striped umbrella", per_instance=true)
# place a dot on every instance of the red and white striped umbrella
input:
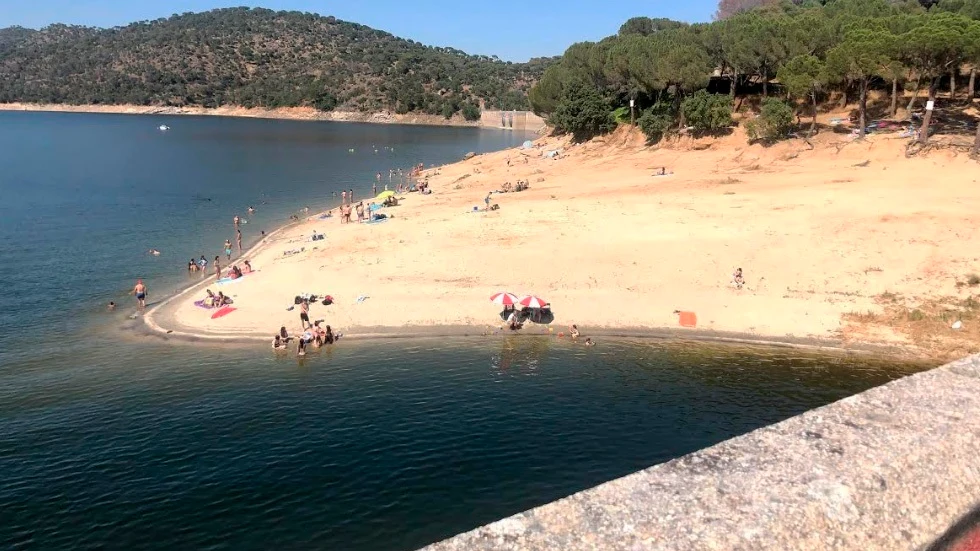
(505, 299)
(533, 302)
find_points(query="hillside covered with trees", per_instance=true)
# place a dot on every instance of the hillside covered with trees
(794, 54)
(255, 58)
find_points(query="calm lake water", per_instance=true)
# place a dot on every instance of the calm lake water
(110, 440)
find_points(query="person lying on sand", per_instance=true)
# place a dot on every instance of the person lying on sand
(662, 172)
(737, 280)
(248, 267)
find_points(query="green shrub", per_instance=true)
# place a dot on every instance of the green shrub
(707, 113)
(471, 111)
(622, 115)
(774, 122)
(582, 112)
(657, 121)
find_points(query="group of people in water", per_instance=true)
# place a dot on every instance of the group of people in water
(313, 336)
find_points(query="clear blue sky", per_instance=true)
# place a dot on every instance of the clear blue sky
(514, 30)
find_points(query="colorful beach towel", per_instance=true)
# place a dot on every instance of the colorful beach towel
(222, 312)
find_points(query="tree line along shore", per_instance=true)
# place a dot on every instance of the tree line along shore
(786, 58)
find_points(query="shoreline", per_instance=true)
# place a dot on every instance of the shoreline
(148, 325)
(619, 252)
(285, 113)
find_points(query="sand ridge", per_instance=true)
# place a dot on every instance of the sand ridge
(820, 233)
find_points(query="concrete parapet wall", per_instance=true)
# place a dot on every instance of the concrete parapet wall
(518, 120)
(888, 469)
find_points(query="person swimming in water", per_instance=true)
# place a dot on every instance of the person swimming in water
(154, 252)
(112, 306)
(140, 291)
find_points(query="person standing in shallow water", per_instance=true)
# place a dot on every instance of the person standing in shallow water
(228, 249)
(238, 238)
(217, 266)
(343, 198)
(237, 221)
(140, 291)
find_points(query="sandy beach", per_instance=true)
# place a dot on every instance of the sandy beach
(837, 243)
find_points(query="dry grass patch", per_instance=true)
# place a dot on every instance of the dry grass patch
(928, 325)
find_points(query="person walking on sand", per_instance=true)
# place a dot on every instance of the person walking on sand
(140, 291)
(238, 238)
(360, 212)
(487, 201)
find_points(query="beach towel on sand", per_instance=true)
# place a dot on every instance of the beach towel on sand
(222, 312)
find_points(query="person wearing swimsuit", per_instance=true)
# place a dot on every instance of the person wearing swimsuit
(140, 291)
(304, 314)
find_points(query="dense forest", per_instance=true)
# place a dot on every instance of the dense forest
(792, 54)
(255, 58)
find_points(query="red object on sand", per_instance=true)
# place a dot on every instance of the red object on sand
(971, 542)
(505, 299)
(689, 319)
(224, 311)
(533, 302)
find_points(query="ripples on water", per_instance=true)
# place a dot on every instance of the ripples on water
(381, 445)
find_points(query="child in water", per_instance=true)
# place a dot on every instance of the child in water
(302, 348)
(278, 343)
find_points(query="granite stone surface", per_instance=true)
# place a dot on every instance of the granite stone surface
(888, 469)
